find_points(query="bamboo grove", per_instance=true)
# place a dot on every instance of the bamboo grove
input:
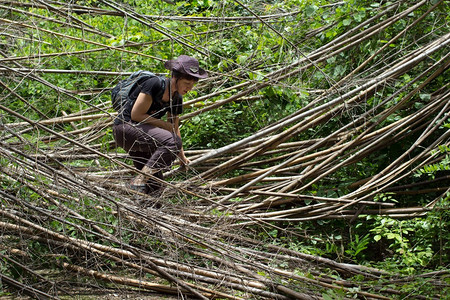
(366, 89)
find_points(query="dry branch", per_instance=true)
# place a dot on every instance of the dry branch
(203, 237)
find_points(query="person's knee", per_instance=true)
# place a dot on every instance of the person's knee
(168, 153)
(178, 143)
(172, 146)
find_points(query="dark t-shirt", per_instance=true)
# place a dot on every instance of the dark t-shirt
(154, 88)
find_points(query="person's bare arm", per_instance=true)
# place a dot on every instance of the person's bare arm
(175, 120)
(139, 113)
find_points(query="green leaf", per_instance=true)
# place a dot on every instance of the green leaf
(347, 22)
(327, 297)
(241, 59)
(310, 10)
(391, 236)
(425, 96)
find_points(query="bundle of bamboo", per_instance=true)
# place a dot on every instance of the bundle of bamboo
(203, 240)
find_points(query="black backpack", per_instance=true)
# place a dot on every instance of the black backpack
(120, 93)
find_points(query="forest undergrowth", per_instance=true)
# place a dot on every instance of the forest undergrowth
(319, 148)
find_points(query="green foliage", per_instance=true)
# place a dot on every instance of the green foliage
(4, 269)
(412, 241)
(384, 197)
(246, 53)
(334, 294)
(406, 246)
(431, 170)
(218, 128)
(357, 245)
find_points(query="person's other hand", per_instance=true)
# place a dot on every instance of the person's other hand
(168, 126)
(184, 161)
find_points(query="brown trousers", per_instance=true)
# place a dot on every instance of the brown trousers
(148, 145)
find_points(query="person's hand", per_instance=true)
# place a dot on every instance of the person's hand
(168, 126)
(184, 161)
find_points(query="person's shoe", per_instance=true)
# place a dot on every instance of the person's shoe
(154, 189)
(150, 202)
(140, 188)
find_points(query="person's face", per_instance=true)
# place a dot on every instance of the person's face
(185, 85)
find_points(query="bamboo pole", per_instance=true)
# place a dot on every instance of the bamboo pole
(210, 253)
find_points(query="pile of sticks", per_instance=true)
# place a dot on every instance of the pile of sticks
(207, 236)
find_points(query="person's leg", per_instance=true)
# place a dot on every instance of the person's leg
(139, 158)
(167, 147)
(125, 136)
(161, 145)
(153, 187)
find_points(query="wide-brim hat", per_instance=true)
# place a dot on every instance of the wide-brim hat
(186, 65)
